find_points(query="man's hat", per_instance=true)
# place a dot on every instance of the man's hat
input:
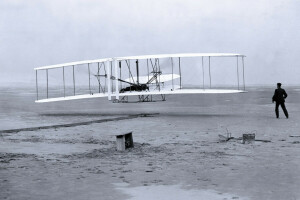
(279, 84)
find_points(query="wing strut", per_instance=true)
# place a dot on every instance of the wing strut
(104, 67)
(109, 80)
(172, 74)
(148, 68)
(74, 80)
(202, 72)
(120, 73)
(111, 72)
(117, 79)
(36, 83)
(209, 72)
(47, 81)
(243, 73)
(137, 72)
(89, 78)
(64, 81)
(179, 71)
(98, 76)
(237, 71)
(159, 73)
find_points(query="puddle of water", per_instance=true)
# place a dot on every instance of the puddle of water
(173, 192)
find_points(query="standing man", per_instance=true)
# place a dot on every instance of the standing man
(279, 96)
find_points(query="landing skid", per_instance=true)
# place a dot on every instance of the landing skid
(142, 98)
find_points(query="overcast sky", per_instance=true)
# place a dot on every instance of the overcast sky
(36, 33)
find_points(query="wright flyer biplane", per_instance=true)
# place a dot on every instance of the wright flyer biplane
(144, 78)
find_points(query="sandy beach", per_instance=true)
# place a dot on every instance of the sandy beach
(177, 152)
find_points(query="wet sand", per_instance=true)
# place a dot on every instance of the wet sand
(177, 155)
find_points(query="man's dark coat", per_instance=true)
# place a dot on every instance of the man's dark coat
(279, 95)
